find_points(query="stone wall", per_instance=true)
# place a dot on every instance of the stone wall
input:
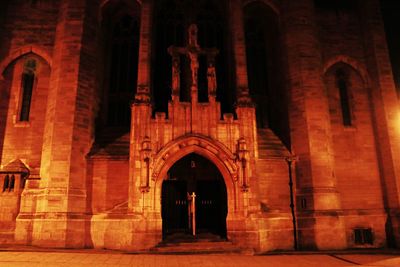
(344, 177)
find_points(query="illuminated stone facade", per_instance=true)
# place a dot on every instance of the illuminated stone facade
(292, 101)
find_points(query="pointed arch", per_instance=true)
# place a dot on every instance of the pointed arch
(265, 67)
(105, 4)
(120, 30)
(352, 62)
(22, 51)
(211, 150)
(269, 3)
(216, 153)
(345, 81)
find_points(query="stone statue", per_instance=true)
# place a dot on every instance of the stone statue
(175, 75)
(211, 79)
(194, 66)
(193, 52)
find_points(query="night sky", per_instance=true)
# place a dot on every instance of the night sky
(391, 18)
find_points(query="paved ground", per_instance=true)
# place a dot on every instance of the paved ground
(99, 259)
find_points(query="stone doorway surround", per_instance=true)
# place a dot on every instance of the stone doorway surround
(148, 201)
(194, 175)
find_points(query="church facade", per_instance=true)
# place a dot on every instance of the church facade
(273, 124)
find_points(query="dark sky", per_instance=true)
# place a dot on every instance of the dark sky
(391, 18)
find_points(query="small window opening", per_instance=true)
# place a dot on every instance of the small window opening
(12, 183)
(6, 183)
(363, 236)
(23, 182)
(303, 203)
(28, 80)
(342, 85)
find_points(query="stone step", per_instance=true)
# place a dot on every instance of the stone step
(203, 243)
(198, 247)
(184, 237)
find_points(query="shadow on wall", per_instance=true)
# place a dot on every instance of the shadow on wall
(89, 199)
(390, 236)
(5, 89)
(5, 77)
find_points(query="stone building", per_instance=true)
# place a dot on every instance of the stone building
(269, 123)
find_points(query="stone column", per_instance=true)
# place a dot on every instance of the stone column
(320, 224)
(141, 114)
(386, 114)
(145, 225)
(247, 195)
(239, 50)
(143, 82)
(61, 205)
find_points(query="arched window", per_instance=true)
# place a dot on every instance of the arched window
(265, 68)
(342, 85)
(12, 183)
(169, 30)
(257, 62)
(27, 84)
(123, 68)
(6, 183)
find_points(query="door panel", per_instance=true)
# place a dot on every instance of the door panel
(174, 206)
(194, 173)
(211, 207)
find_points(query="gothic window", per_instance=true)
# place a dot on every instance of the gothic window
(265, 68)
(123, 70)
(342, 85)
(172, 19)
(257, 64)
(27, 84)
(169, 30)
(6, 183)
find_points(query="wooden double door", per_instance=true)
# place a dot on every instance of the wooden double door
(210, 201)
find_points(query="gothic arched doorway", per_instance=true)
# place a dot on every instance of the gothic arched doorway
(194, 173)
